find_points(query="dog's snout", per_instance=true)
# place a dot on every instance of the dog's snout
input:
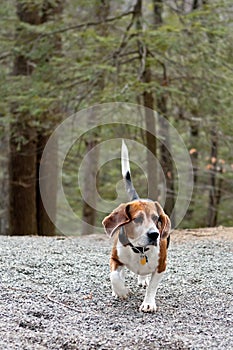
(153, 235)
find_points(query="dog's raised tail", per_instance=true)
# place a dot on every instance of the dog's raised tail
(125, 167)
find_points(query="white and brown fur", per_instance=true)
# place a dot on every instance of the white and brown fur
(145, 226)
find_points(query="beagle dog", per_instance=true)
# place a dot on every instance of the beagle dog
(141, 238)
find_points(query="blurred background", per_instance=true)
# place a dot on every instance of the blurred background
(60, 57)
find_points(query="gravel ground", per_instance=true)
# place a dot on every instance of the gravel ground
(55, 294)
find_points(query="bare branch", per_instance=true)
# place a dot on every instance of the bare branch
(126, 37)
(89, 24)
(5, 55)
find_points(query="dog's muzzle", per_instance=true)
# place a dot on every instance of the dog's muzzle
(152, 237)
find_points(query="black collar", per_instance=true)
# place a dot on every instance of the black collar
(125, 242)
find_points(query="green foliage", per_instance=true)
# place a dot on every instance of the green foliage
(193, 50)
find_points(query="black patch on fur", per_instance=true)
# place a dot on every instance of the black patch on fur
(168, 241)
(127, 176)
(130, 188)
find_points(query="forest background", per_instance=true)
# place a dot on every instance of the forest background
(60, 57)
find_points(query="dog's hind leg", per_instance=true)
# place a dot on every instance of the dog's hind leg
(143, 281)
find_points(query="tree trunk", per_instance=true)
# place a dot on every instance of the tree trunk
(148, 103)
(158, 10)
(215, 186)
(22, 162)
(166, 159)
(44, 224)
(4, 180)
(151, 144)
(92, 154)
(194, 136)
(165, 156)
(89, 202)
(25, 202)
(22, 181)
(195, 4)
(194, 140)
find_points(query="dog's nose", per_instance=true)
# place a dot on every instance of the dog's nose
(153, 235)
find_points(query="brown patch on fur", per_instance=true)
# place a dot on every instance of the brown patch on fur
(126, 212)
(114, 260)
(147, 207)
(114, 220)
(166, 223)
(135, 208)
(162, 256)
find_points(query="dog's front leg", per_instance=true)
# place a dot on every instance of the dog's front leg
(118, 283)
(117, 276)
(149, 304)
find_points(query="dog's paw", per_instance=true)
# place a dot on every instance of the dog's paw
(143, 281)
(148, 307)
(121, 293)
(118, 285)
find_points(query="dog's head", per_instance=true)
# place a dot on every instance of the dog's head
(144, 221)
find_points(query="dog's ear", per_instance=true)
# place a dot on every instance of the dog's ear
(165, 221)
(120, 216)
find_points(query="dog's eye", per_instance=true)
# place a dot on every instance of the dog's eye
(138, 220)
(154, 218)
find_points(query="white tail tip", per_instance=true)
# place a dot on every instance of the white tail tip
(124, 159)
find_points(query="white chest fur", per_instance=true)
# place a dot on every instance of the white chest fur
(133, 261)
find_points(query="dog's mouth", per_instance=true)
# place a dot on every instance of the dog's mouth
(152, 242)
(144, 243)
